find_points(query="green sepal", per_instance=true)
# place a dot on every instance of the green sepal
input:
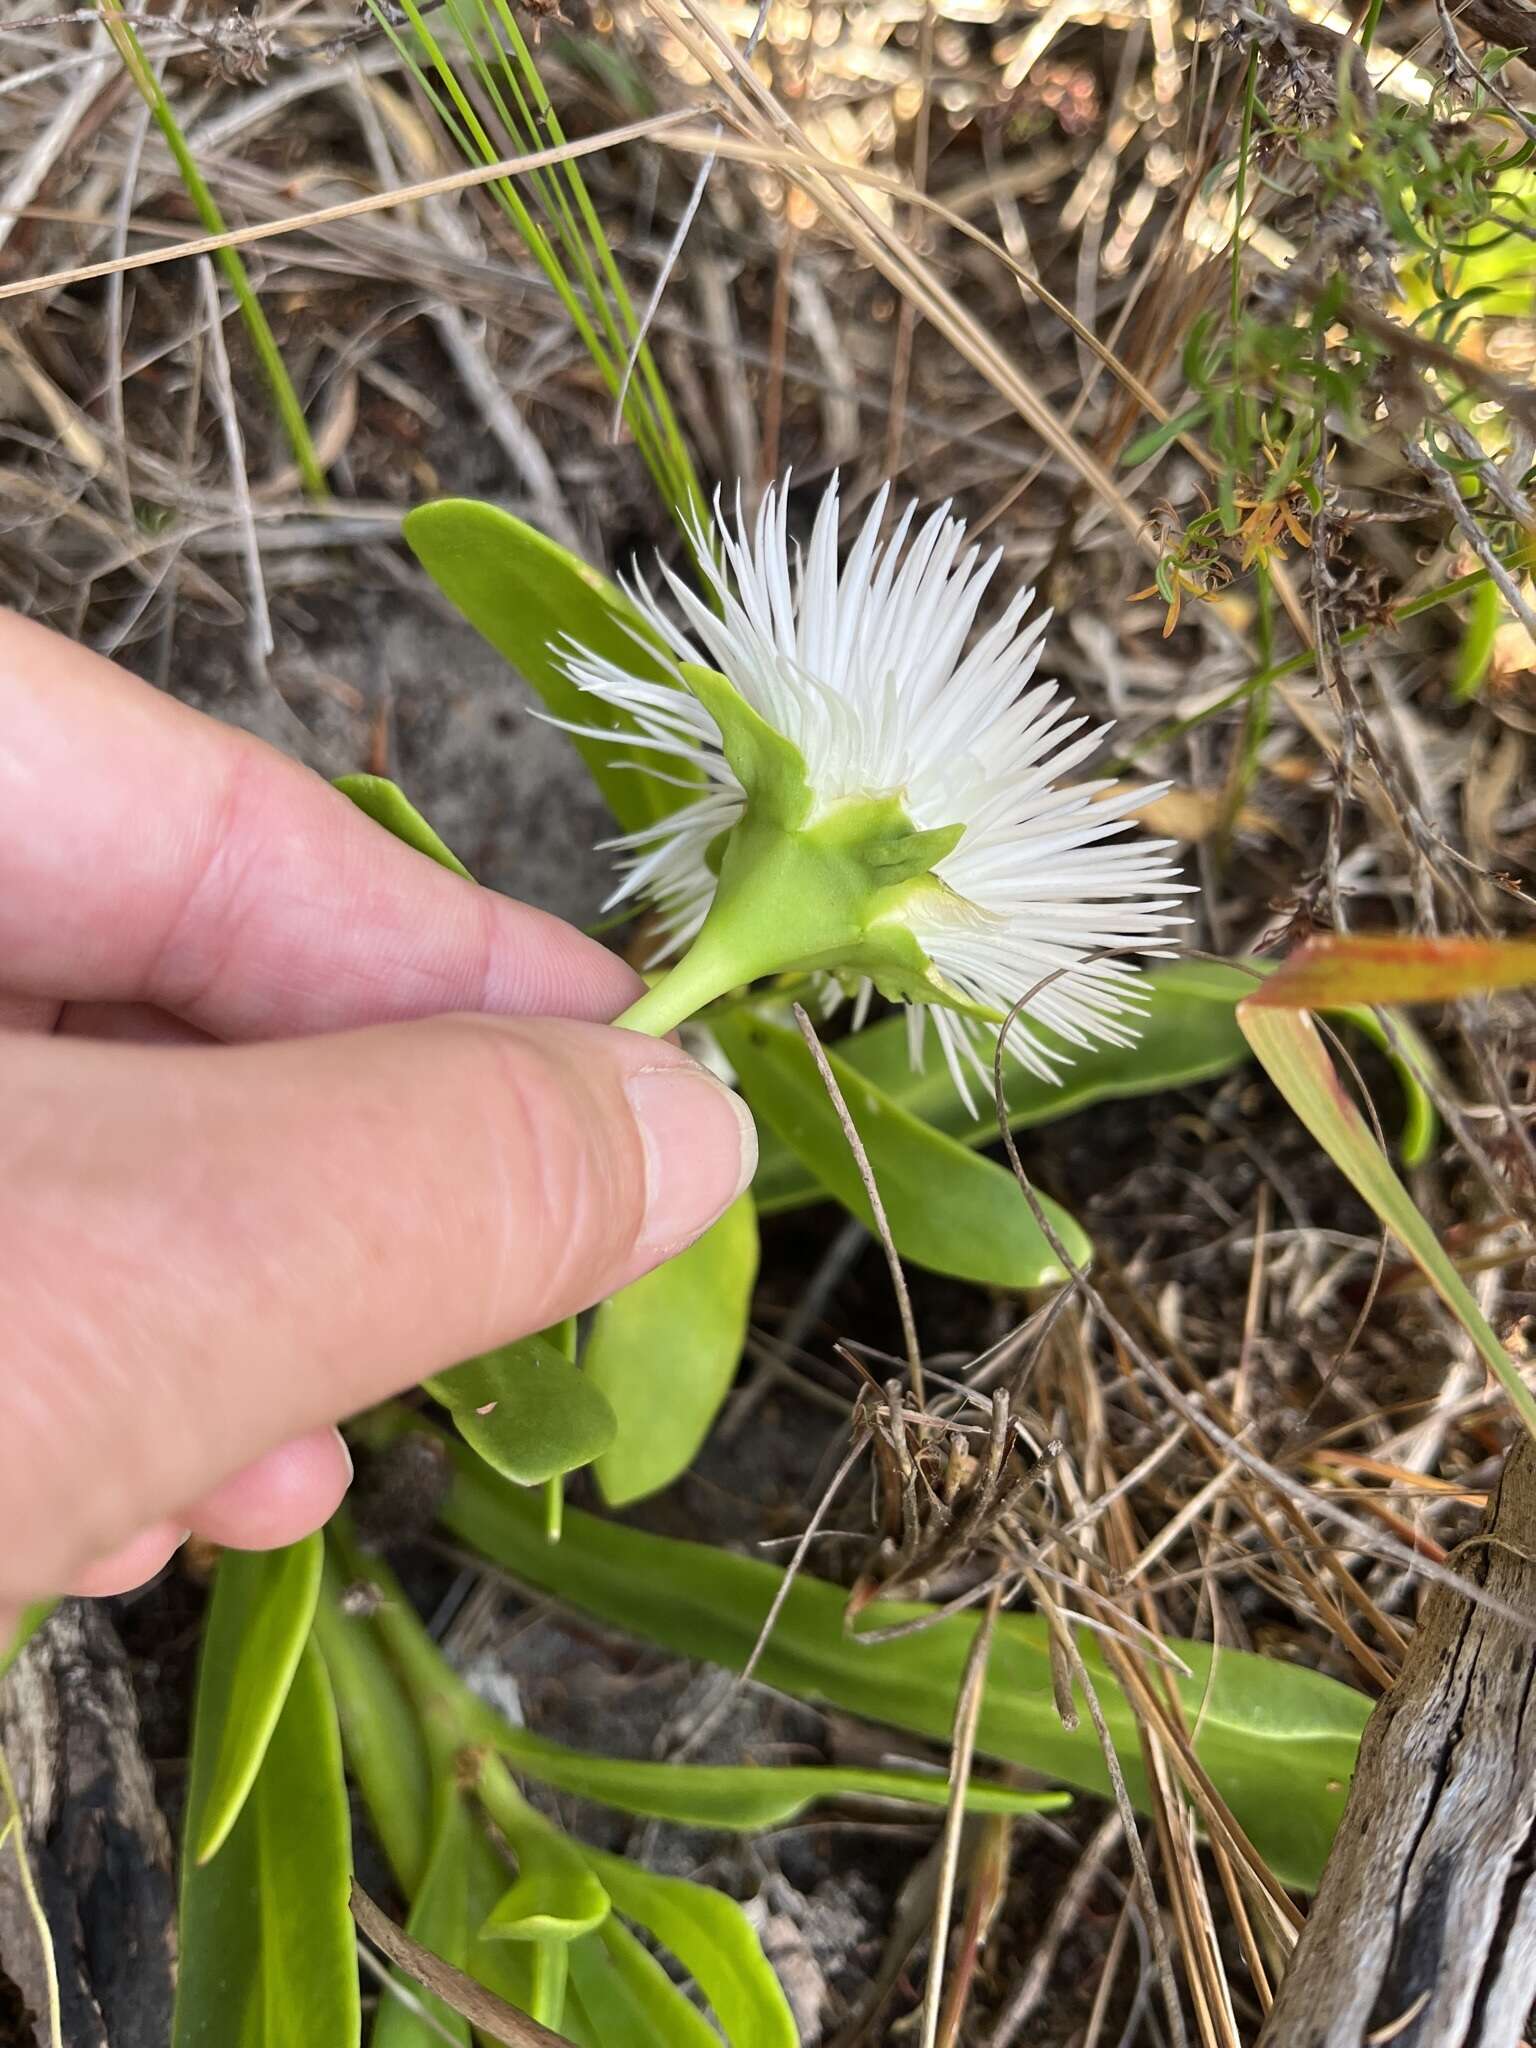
(770, 768)
(916, 853)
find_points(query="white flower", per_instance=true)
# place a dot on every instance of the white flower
(866, 672)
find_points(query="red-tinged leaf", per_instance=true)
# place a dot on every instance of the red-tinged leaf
(1290, 1048)
(1327, 972)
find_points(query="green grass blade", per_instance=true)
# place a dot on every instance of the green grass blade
(32, 1619)
(570, 245)
(289, 411)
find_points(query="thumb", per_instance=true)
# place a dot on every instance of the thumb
(212, 1250)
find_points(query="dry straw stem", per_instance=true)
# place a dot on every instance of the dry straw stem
(14, 1833)
(1169, 1754)
(671, 131)
(832, 192)
(962, 1753)
(867, 1176)
(1249, 1885)
(350, 209)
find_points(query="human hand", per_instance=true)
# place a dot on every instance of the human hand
(253, 1174)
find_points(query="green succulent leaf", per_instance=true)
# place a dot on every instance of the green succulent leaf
(949, 1209)
(388, 805)
(463, 1879)
(1278, 1741)
(665, 1349)
(258, 1624)
(528, 596)
(556, 1895)
(528, 1411)
(380, 1732)
(366, 1651)
(1189, 1033)
(714, 1941)
(268, 1951)
(621, 1997)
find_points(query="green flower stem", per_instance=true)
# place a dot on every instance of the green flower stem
(680, 994)
(786, 899)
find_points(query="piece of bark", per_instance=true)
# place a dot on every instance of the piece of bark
(1423, 1931)
(1508, 23)
(97, 1842)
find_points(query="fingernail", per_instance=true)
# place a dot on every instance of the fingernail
(700, 1151)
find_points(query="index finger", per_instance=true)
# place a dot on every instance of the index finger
(152, 855)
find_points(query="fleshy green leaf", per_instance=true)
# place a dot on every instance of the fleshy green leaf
(665, 1350)
(258, 1623)
(1278, 1741)
(381, 1735)
(1190, 1033)
(268, 1953)
(740, 1798)
(714, 1941)
(556, 1895)
(623, 1998)
(1292, 1052)
(527, 1410)
(387, 804)
(528, 595)
(1485, 614)
(948, 1208)
(463, 1879)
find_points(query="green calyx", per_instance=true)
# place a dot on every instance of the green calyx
(797, 894)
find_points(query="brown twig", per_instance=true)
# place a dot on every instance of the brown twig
(482, 2008)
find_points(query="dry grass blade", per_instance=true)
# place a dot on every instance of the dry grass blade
(349, 209)
(835, 195)
(14, 1832)
(1063, 1638)
(866, 1174)
(260, 639)
(1030, 256)
(1066, 1915)
(802, 1547)
(962, 1752)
